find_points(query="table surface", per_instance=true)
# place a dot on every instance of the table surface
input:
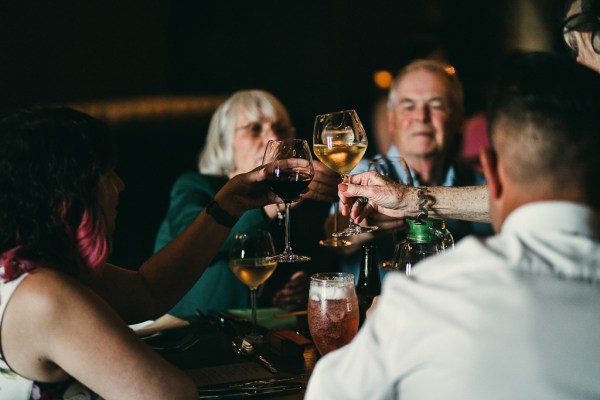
(211, 358)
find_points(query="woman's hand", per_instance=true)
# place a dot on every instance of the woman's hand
(246, 191)
(323, 187)
(294, 295)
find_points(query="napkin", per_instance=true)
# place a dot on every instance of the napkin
(164, 323)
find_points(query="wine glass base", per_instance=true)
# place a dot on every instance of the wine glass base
(335, 242)
(290, 258)
(357, 230)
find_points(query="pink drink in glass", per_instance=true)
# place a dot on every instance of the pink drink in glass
(332, 311)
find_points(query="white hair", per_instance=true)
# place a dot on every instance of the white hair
(436, 67)
(216, 158)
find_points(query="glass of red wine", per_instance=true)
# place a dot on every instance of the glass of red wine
(290, 170)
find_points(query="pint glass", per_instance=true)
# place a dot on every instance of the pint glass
(332, 310)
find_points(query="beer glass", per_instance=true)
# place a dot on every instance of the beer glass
(332, 310)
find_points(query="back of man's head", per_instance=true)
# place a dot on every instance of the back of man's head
(545, 125)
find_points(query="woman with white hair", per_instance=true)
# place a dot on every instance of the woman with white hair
(236, 140)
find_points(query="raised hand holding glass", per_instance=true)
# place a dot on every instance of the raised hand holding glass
(340, 141)
(289, 171)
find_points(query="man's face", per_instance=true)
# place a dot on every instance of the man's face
(424, 120)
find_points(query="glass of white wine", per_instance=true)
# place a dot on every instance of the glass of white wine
(251, 259)
(340, 141)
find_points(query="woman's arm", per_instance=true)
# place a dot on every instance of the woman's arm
(54, 327)
(165, 277)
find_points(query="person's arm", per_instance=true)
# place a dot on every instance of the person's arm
(469, 203)
(54, 327)
(165, 277)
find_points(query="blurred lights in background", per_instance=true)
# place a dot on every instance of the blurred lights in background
(383, 79)
(450, 69)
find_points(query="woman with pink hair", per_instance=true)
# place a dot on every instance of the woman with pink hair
(63, 309)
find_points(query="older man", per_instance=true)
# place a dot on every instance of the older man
(514, 316)
(425, 115)
(581, 30)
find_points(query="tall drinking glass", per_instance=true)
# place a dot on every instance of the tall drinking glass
(251, 261)
(340, 141)
(289, 171)
(332, 310)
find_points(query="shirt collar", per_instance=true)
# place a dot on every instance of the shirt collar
(574, 218)
(449, 177)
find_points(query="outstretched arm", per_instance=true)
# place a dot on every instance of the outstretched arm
(166, 276)
(396, 200)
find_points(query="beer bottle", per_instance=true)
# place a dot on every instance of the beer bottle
(369, 283)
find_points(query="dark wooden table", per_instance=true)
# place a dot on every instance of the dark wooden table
(212, 356)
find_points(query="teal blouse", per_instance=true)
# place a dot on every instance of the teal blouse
(217, 288)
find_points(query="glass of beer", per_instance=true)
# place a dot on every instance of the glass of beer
(332, 310)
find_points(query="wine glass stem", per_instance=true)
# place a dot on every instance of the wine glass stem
(336, 210)
(253, 331)
(351, 224)
(288, 247)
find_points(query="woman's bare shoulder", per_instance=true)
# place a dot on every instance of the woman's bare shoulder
(46, 306)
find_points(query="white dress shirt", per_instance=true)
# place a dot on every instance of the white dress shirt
(516, 316)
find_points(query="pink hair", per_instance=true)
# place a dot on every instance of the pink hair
(92, 242)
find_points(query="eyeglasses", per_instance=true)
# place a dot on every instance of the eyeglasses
(281, 129)
(581, 22)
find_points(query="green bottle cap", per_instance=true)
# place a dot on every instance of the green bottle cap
(420, 231)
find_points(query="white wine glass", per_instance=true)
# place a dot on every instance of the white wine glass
(333, 241)
(340, 141)
(289, 171)
(397, 169)
(251, 259)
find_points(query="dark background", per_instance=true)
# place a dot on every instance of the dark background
(316, 56)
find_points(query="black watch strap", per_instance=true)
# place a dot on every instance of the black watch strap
(221, 216)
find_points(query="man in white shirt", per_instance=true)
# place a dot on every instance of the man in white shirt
(514, 316)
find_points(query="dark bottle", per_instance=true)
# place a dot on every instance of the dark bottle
(369, 283)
